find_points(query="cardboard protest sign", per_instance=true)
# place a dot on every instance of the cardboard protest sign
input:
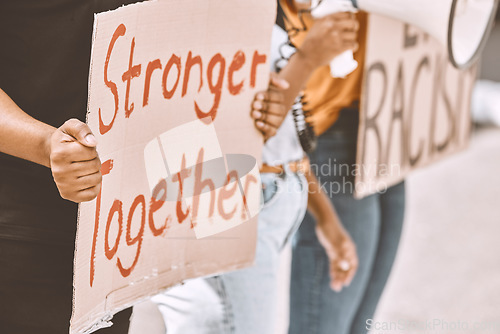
(170, 88)
(415, 106)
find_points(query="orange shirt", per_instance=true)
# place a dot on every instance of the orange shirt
(326, 95)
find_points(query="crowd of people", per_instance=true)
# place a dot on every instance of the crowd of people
(343, 248)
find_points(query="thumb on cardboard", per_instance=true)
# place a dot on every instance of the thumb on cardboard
(80, 131)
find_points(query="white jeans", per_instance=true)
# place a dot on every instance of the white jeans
(244, 301)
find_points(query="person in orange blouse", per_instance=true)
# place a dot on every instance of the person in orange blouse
(375, 222)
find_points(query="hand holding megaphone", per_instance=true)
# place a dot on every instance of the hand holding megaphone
(343, 64)
(328, 38)
(462, 26)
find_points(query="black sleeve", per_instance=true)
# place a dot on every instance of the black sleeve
(280, 17)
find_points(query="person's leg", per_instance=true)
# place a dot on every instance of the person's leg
(199, 306)
(392, 206)
(314, 307)
(254, 291)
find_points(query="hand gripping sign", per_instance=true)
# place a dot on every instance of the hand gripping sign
(170, 89)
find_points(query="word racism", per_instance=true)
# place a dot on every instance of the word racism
(176, 68)
(415, 107)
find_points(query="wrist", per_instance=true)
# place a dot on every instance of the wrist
(46, 146)
(329, 224)
(328, 237)
(306, 62)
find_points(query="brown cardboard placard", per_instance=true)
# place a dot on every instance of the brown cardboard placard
(170, 88)
(415, 106)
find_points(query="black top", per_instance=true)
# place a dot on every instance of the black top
(44, 64)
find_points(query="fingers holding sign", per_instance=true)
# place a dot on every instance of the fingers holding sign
(74, 162)
(268, 107)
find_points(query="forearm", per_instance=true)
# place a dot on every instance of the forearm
(318, 204)
(296, 72)
(326, 38)
(329, 229)
(21, 135)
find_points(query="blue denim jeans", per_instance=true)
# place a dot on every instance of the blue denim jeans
(244, 301)
(375, 224)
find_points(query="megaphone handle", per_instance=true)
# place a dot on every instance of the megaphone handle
(343, 65)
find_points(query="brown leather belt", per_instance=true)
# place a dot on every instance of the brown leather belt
(301, 166)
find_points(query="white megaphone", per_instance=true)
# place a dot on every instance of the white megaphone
(463, 26)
